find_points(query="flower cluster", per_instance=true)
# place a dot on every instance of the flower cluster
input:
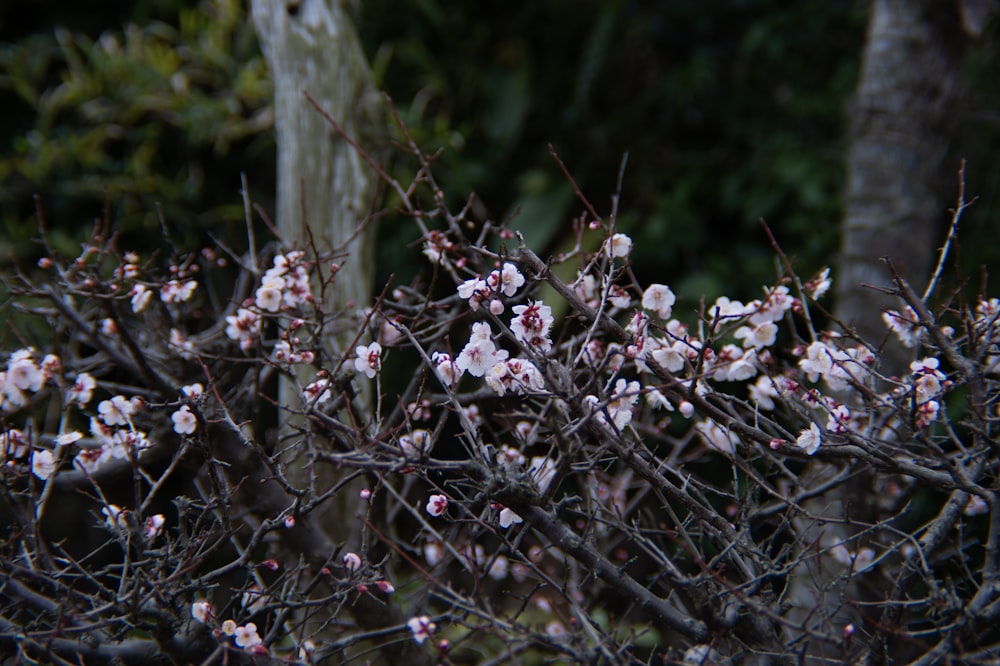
(533, 436)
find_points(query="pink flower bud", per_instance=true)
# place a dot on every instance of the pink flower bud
(289, 522)
(365, 494)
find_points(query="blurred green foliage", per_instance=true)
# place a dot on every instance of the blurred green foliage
(158, 118)
(729, 113)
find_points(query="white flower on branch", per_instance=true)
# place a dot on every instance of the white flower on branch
(176, 291)
(810, 440)
(201, 611)
(140, 298)
(421, 627)
(369, 359)
(89, 460)
(185, 422)
(476, 291)
(759, 336)
(506, 281)
(819, 285)
(717, 437)
(445, 369)
(619, 246)
(153, 526)
(352, 562)
(269, 295)
(23, 373)
(244, 326)
(115, 517)
(905, 325)
(43, 464)
(532, 324)
(660, 299)
(415, 444)
(774, 306)
(247, 637)
(68, 438)
(516, 375)
(437, 505)
(507, 518)
(116, 411)
(480, 354)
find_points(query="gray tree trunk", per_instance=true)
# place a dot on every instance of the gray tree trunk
(325, 188)
(901, 119)
(323, 183)
(901, 122)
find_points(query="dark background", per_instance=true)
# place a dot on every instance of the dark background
(729, 111)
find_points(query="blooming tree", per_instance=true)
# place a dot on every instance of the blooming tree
(638, 478)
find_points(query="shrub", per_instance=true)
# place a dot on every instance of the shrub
(586, 470)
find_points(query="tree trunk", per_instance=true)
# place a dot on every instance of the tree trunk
(901, 119)
(325, 188)
(323, 183)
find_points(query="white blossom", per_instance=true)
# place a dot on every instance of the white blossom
(810, 440)
(269, 295)
(717, 437)
(352, 562)
(185, 422)
(43, 464)
(476, 291)
(89, 460)
(905, 325)
(23, 373)
(415, 444)
(201, 611)
(660, 299)
(421, 627)
(620, 245)
(176, 291)
(437, 505)
(369, 359)
(116, 411)
(479, 355)
(153, 525)
(445, 369)
(532, 324)
(508, 518)
(247, 637)
(140, 298)
(758, 336)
